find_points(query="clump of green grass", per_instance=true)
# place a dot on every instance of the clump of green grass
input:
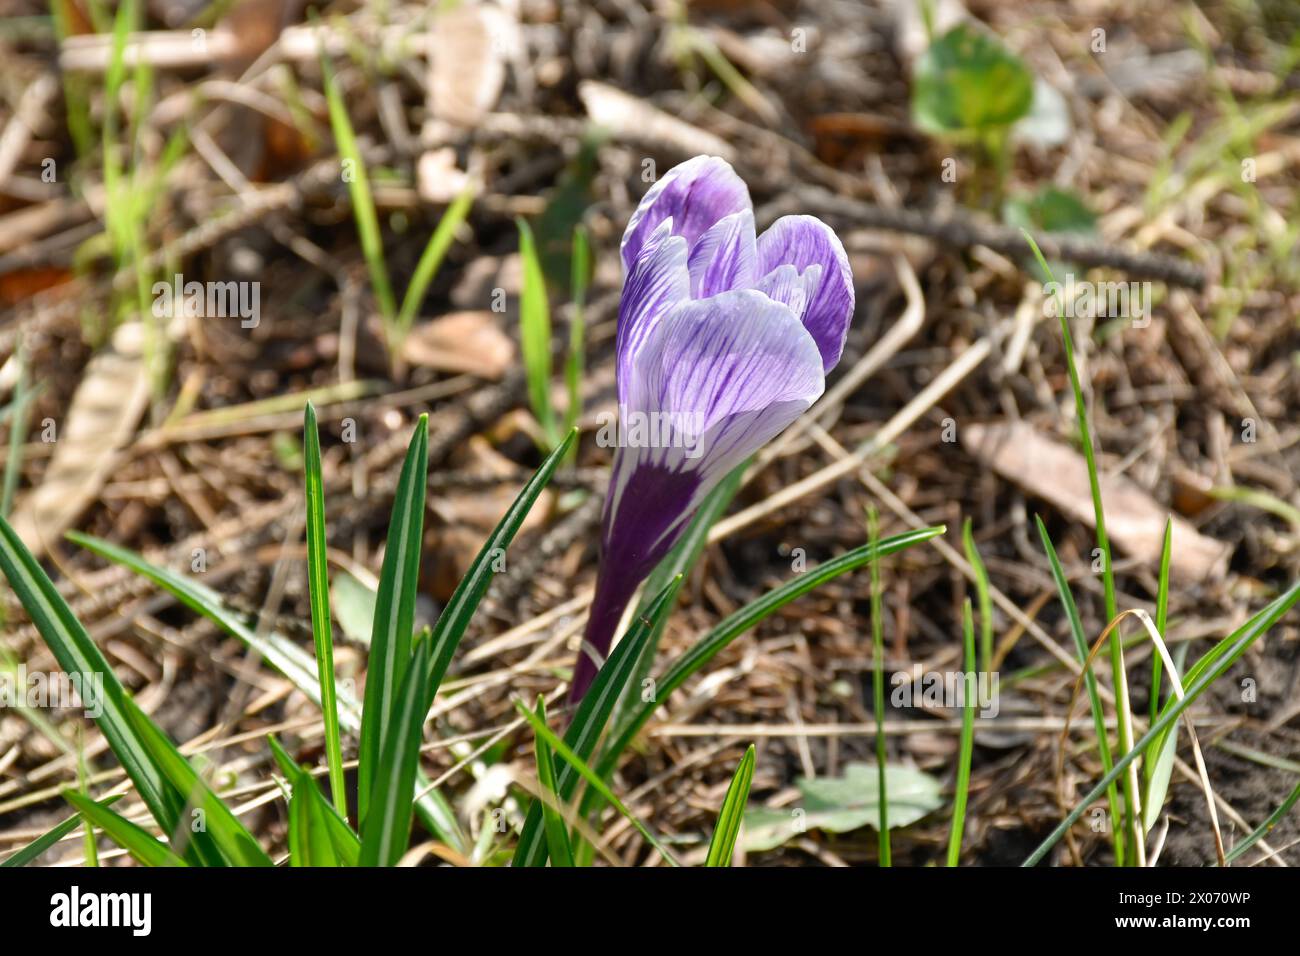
(1129, 823)
(404, 673)
(397, 319)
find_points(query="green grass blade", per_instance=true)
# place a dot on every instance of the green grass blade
(967, 743)
(535, 335)
(427, 268)
(1103, 540)
(140, 843)
(318, 836)
(284, 656)
(883, 844)
(1164, 742)
(18, 410)
(557, 834)
(33, 850)
(363, 204)
(455, 617)
(309, 842)
(982, 592)
(593, 779)
(1089, 680)
(1162, 613)
(386, 829)
(742, 620)
(236, 844)
(390, 637)
(319, 590)
(1225, 655)
(77, 654)
(589, 722)
(723, 844)
(83, 774)
(1266, 827)
(280, 653)
(1158, 765)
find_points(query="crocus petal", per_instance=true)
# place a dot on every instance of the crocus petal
(804, 241)
(725, 257)
(656, 282)
(694, 195)
(790, 287)
(715, 379)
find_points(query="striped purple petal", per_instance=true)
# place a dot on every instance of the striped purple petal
(725, 257)
(694, 195)
(712, 382)
(656, 282)
(804, 242)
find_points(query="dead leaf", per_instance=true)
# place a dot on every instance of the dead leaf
(105, 410)
(467, 67)
(461, 342)
(1057, 473)
(437, 178)
(633, 120)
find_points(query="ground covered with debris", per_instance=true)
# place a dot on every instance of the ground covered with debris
(1159, 161)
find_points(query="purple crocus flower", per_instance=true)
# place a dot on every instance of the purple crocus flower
(724, 339)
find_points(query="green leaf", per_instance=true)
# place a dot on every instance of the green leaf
(318, 836)
(1158, 765)
(77, 654)
(884, 845)
(535, 335)
(705, 649)
(386, 829)
(589, 721)
(140, 843)
(1199, 677)
(557, 833)
(455, 617)
(318, 583)
(967, 81)
(354, 607)
(363, 204)
(1051, 209)
(431, 259)
(236, 844)
(843, 804)
(982, 593)
(967, 743)
(1266, 827)
(580, 767)
(279, 652)
(1089, 679)
(390, 642)
(732, 813)
(50, 837)
(1124, 743)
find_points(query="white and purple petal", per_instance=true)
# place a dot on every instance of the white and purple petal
(725, 257)
(723, 376)
(655, 284)
(805, 241)
(694, 195)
